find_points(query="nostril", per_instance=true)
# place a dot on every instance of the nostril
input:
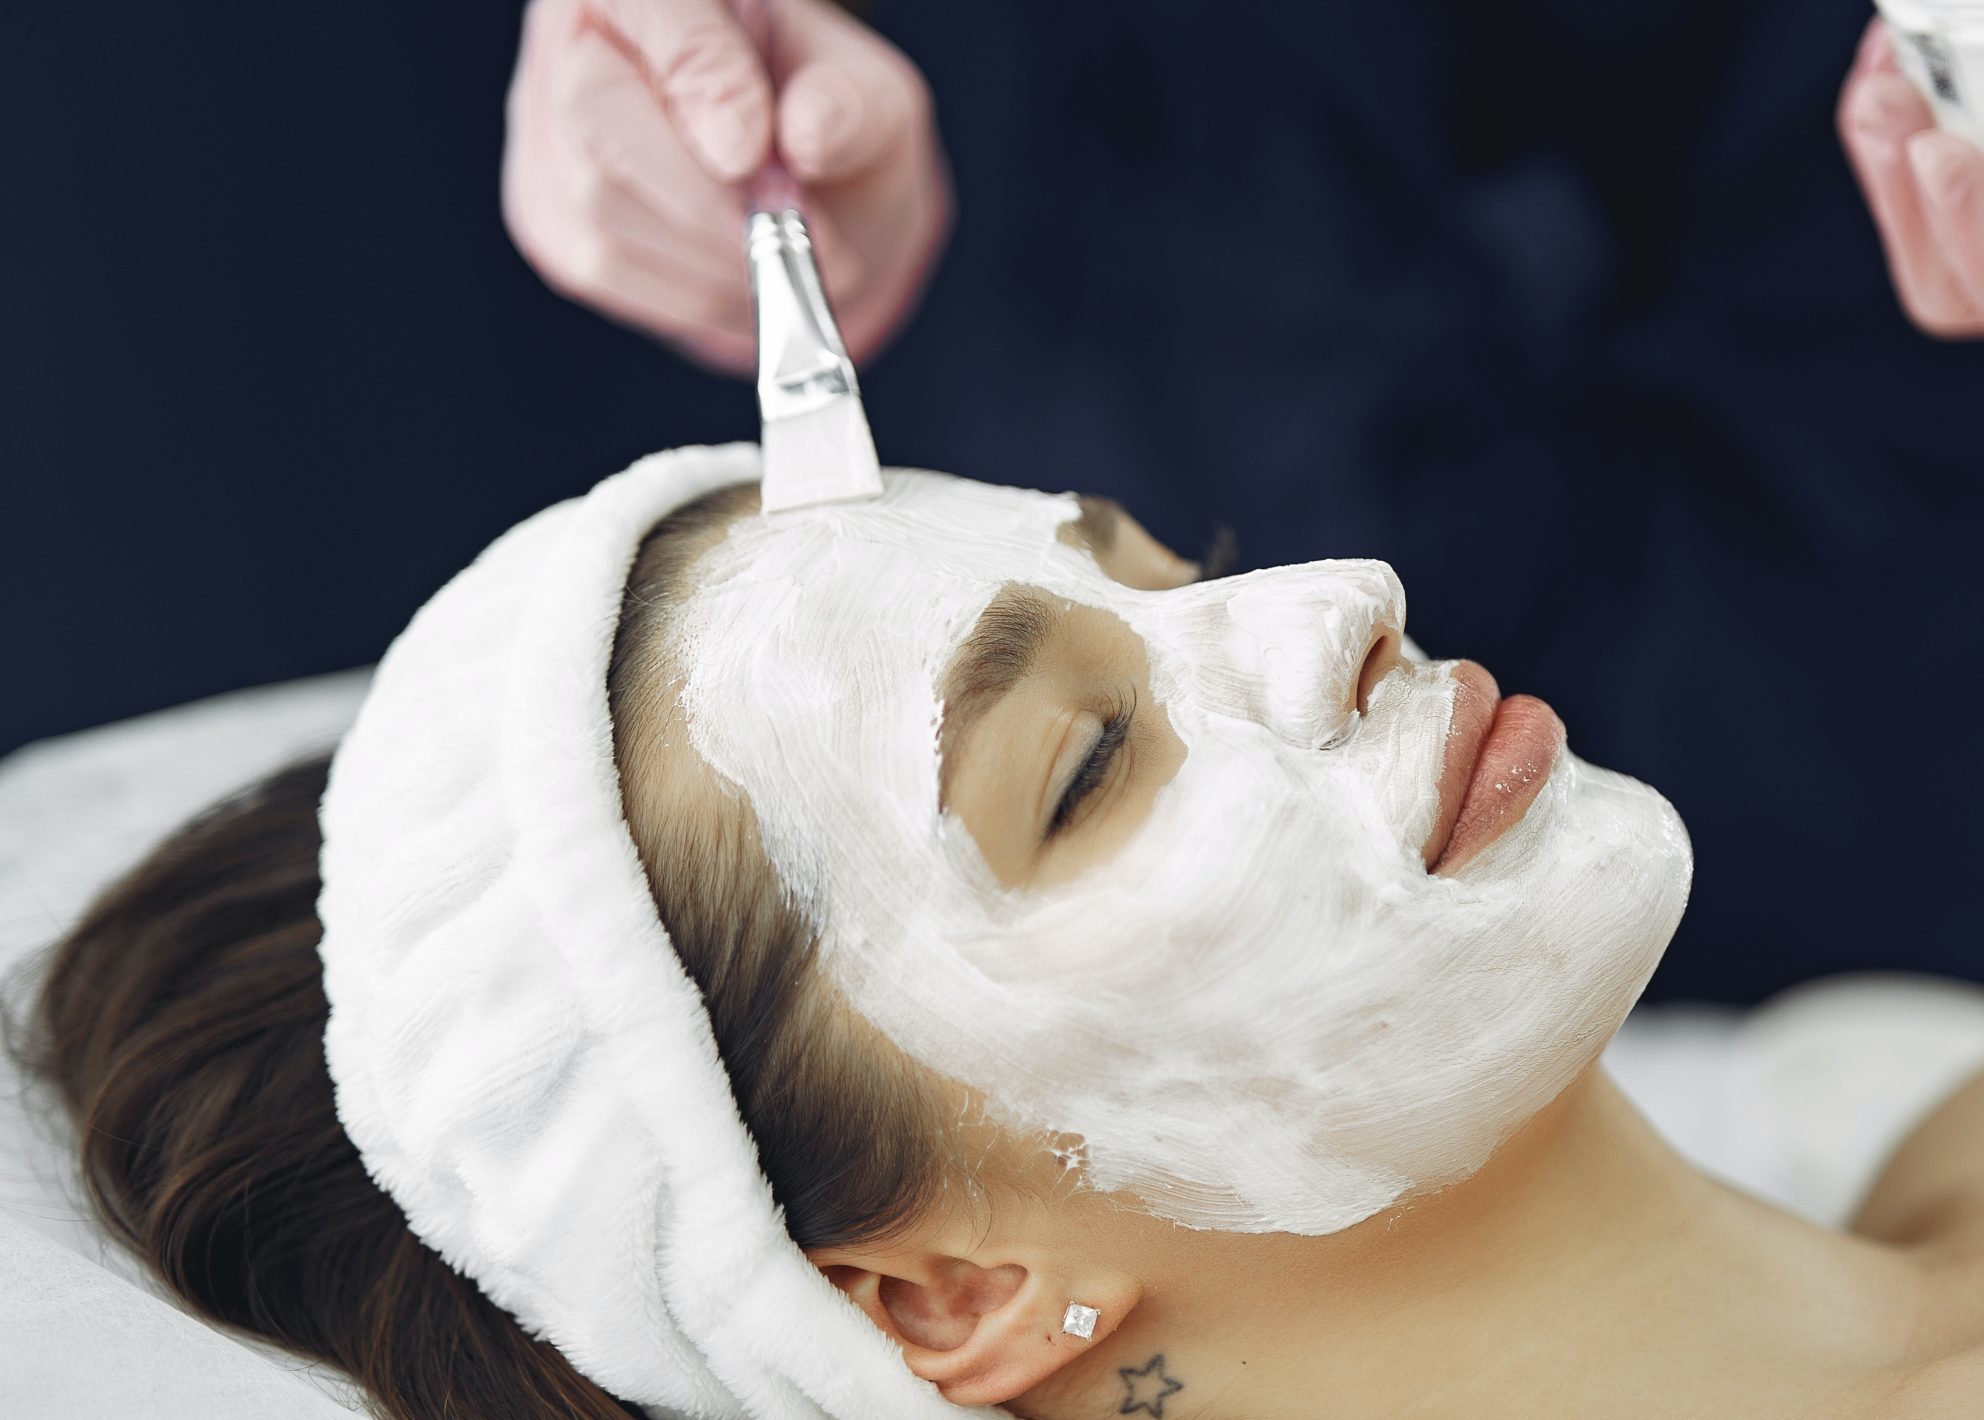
(1384, 654)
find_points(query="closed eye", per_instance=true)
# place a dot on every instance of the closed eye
(1094, 768)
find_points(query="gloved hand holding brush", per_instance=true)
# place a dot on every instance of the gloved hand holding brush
(633, 122)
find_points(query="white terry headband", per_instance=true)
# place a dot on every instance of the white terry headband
(517, 1053)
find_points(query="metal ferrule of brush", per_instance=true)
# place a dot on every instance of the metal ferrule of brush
(802, 363)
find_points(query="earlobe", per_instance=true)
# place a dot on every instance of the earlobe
(984, 1335)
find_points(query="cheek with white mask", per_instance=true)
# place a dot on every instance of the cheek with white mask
(1261, 1013)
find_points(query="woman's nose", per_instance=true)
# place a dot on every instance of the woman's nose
(1386, 650)
(1297, 649)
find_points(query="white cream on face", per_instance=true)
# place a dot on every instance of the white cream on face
(1261, 1013)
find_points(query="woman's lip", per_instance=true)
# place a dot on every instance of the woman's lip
(1475, 697)
(1498, 755)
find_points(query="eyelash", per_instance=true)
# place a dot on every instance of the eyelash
(1122, 712)
(1088, 778)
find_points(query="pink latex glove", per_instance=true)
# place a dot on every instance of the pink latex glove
(632, 122)
(1926, 189)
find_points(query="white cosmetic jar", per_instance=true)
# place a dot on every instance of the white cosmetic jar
(1940, 47)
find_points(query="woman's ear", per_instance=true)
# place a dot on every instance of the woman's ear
(983, 1334)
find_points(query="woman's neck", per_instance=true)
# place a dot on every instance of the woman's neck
(1587, 1271)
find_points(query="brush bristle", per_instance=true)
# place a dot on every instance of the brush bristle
(826, 455)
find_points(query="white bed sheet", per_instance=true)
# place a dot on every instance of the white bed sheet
(1800, 1101)
(89, 1333)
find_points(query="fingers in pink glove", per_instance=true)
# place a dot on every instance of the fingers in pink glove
(1949, 175)
(638, 181)
(583, 226)
(610, 191)
(1881, 115)
(706, 73)
(1881, 119)
(857, 126)
(845, 101)
(624, 140)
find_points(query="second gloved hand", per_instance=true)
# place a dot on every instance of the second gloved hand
(632, 122)
(1925, 188)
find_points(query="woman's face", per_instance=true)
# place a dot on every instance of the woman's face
(1256, 918)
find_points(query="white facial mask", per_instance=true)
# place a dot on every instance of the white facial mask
(1261, 1013)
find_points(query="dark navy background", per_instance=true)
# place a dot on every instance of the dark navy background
(1570, 311)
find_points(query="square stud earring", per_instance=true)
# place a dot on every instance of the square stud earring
(1079, 1320)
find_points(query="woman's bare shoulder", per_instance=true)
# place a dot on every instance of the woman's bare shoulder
(1949, 1389)
(1931, 1193)
(1929, 1199)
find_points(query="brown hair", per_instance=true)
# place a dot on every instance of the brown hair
(181, 1024)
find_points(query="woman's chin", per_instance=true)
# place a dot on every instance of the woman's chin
(1597, 870)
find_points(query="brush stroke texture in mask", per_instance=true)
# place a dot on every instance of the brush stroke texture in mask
(1261, 1013)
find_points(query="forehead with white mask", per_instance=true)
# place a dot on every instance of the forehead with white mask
(1148, 868)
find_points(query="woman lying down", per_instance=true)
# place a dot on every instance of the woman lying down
(942, 952)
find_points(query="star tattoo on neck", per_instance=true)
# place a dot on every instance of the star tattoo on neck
(1146, 1388)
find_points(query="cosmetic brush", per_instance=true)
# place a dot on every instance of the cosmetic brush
(816, 444)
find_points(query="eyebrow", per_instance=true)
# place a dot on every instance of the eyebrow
(994, 658)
